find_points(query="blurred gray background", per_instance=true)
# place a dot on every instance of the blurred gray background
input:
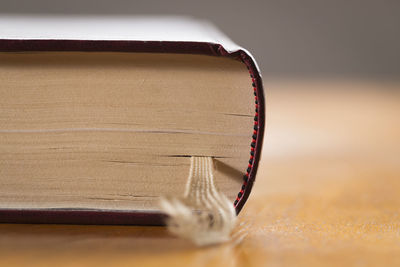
(289, 38)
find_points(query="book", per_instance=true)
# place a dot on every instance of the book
(99, 116)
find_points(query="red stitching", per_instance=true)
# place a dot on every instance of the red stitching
(254, 140)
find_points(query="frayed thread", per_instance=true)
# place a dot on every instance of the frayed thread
(203, 215)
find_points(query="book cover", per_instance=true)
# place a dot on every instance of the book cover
(100, 115)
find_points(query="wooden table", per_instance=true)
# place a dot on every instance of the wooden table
(328, 192)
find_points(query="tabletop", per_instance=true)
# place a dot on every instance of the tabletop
(327, 193)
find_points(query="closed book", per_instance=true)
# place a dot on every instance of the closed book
(99, 116)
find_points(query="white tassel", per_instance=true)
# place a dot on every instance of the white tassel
(204, 215)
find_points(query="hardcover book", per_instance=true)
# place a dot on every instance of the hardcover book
(99, 116)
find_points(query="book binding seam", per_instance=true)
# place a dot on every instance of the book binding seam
(254, 136)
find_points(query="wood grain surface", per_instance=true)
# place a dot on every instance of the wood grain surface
(328, 193)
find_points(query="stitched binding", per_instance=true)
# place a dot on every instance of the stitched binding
(254, 139)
